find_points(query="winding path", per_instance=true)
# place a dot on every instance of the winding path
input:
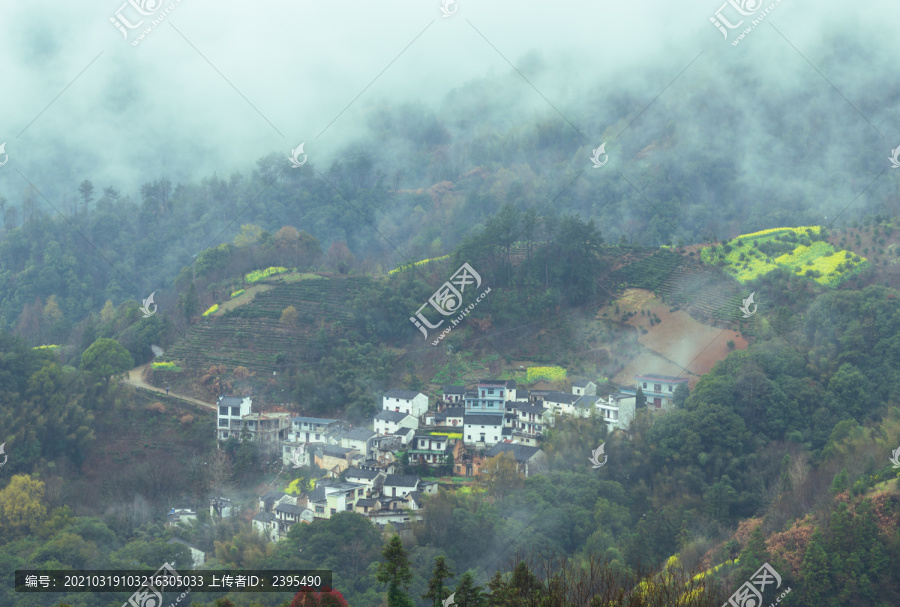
(136, 379)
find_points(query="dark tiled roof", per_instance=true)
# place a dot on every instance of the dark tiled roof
(317, 494)
(482, 419)
(264, 517)
(359, 473)
(404, 394)
(230, 401)
(522, 453)
(335, 451)
(289, 509)
(454, 389)
(391, 416)
(359, 434)
(582, 383)
(367, 502)
(401, 480)
(455, 411)
(561, 397)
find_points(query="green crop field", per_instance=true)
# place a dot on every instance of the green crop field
(751, 256)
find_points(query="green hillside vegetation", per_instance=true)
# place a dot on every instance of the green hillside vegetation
(801, 250)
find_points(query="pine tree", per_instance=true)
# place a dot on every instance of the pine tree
(467, 594)
(640, 401)
(754, 555)
(814, 572)
(436, 591)
(395, 572)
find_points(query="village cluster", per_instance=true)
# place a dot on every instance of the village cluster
(463, 428)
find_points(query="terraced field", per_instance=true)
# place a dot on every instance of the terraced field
(252, 336)
(695, 287)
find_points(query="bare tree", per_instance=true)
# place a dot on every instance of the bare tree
(220, 472)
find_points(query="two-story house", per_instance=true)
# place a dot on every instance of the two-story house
(560, 403)
(450, 416)
(230, 410)
(529, 424)
(310, 429)
(372, 480)
(433, 450)
(453, 394)
(584, 387)
(180, 515)
(407, 401)
(400, 485)
(617, 410)
(659, 390)
(388, 422)
(358, 439)
(329, 498)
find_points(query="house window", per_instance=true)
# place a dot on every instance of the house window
(657, 387)
(333, 511)
(223, 410)
(320, 510)
(236, 411)
(223, 423)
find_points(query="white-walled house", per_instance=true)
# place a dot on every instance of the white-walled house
(230, 410)
(658, 389)
(529, 424)
(358, 439)
(180, 515)
(557, 403)
(617, 410)
(310, 429)
(451, 416)
(453, 394)
(407, 401)
(388, 422)
(482, 429)
(429, 449)
(400, 485)
(584, 387)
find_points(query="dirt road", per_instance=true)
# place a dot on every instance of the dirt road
(136, 378)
